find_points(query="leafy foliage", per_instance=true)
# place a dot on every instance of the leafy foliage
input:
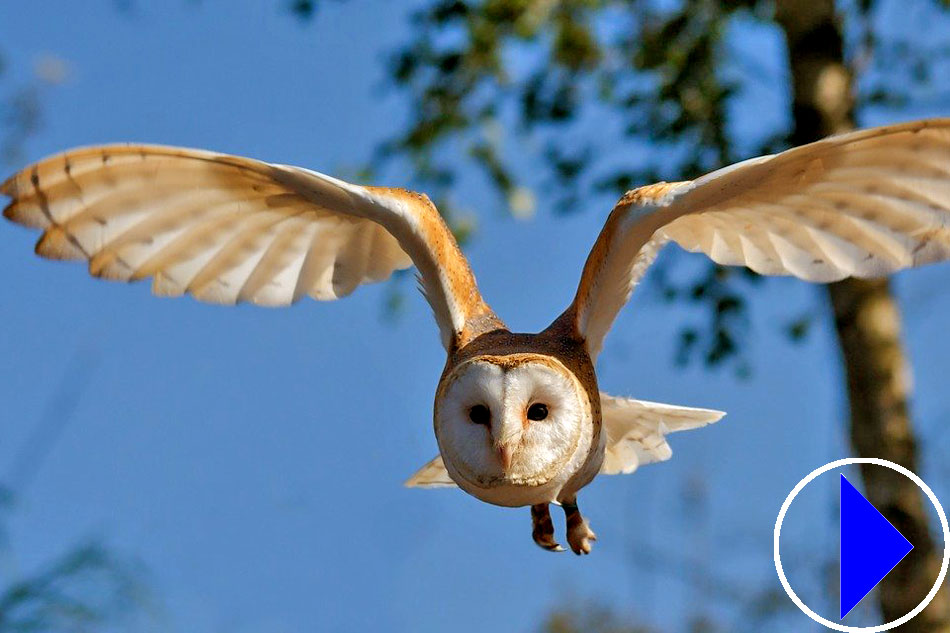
(591, 619)
(616, 93)
(81, 591)
(87, 586)
(304, 9)
(546, 70)
(20, 113)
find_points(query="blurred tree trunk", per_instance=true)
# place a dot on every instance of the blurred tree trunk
(867, 321)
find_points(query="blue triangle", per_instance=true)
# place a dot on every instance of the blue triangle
(870, 547)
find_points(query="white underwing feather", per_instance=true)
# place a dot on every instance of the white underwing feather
(636, 430)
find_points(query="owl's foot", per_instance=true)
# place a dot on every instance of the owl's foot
(579, 534)
(543, 528)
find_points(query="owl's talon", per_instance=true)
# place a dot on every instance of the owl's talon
(542, 528)
(551, 546)
(579, 534)
(581, 538)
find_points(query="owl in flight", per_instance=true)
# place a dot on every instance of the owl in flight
(518, 417)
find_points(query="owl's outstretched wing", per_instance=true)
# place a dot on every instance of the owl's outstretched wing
(637, 429)
(861, 204)
(227, 229)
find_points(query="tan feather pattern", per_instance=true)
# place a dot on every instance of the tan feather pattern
(227, 229)
(861, 204)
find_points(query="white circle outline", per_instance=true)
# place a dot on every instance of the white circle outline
(847, 462)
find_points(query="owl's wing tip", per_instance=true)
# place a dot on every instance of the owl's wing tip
(9, 188)
(421, 482)
(432, 475)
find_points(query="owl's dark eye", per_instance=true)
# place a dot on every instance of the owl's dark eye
(479, 414)
(537, 412)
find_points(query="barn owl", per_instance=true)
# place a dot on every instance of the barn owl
(518, 418)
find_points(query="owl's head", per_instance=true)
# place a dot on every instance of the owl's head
(513, 420)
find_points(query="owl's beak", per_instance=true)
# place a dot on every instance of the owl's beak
(505, 439)
(504, 454)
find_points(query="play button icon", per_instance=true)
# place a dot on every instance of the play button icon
(870, 547)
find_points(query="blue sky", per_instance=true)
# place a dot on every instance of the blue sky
(253, 459)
